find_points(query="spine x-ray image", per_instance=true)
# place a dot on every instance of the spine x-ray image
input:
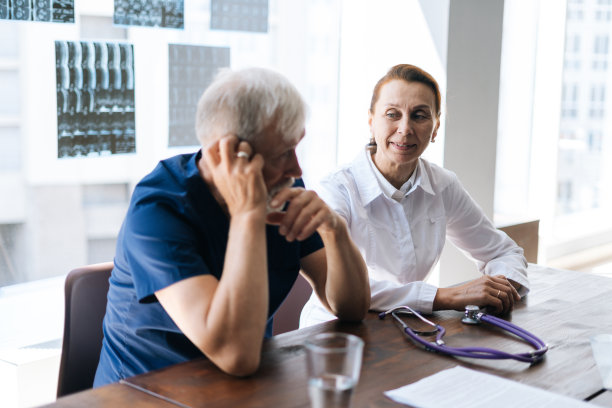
(239, 15)
(95, 98)
(153, 13)
(191, 69)
(55, 11)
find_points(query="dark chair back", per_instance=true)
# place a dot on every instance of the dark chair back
(85, 292)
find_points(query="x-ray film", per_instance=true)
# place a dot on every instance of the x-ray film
(239, 15)
(95, 98)
(191, 69)
(54, 11)
(152, 13)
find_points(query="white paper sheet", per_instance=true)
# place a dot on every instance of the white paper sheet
(461, 387)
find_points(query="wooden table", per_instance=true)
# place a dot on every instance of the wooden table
(564, 308)
(113, 395)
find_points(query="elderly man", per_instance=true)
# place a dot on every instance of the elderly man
(205, 255)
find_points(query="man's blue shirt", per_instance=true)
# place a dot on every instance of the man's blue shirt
(174, 229)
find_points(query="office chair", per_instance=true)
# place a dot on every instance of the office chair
(85, 292)
(525, 235)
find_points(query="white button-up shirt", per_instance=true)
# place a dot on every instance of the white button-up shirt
(401, 233)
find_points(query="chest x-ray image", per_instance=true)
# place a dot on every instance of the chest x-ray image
(152, 13)
(191, 69)
(55, 11)
(239, 15)
(95, 98)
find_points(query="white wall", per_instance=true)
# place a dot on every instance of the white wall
(470, 150)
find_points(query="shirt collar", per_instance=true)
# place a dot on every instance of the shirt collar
(423, 180)
(371, 186)
(367, 184)
(388, 189)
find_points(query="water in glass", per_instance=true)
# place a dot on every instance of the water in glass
(331, 391)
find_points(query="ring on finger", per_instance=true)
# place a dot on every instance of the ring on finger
(242, 155)
(498, 292)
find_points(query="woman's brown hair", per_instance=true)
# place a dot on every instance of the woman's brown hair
(408, 73)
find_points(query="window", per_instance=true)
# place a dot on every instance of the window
(565, 84)
(574, 14)
(600, 65)
(595, 141)
(601, 44)
(584, 186)
(11, 253)
(564, 195)
(581, 202)
(573, 43)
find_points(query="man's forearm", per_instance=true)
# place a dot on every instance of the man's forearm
(347, 288)
(238, 312)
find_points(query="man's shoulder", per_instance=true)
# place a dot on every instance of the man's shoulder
(177, 167)
(169, 177)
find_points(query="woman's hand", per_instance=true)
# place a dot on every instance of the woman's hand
(495, 292)
(236, 175)
(305, 214)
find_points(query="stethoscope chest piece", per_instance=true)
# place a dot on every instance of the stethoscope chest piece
(471, 315)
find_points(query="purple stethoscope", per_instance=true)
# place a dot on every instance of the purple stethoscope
(473, 315)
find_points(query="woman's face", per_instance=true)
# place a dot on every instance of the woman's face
(403, 122)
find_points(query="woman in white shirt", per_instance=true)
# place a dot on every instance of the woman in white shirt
(400, 208)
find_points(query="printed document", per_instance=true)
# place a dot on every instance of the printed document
(461, 387)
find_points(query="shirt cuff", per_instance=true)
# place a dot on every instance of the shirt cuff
(388, 295)
(518, 276)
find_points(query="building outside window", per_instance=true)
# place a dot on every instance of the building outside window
(583, 179)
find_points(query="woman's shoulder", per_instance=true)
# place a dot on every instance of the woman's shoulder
(435, 169)
(344, 174)
(339, 176)
(438, 177)
(335, 183)
(345, 182)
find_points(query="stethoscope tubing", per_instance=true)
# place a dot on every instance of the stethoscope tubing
(474, 352)
(535, 341)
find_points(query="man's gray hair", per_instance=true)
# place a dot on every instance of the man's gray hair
(247, 102)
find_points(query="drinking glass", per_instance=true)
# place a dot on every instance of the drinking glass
(334, 365)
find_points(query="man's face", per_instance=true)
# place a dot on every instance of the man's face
(281, 165)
